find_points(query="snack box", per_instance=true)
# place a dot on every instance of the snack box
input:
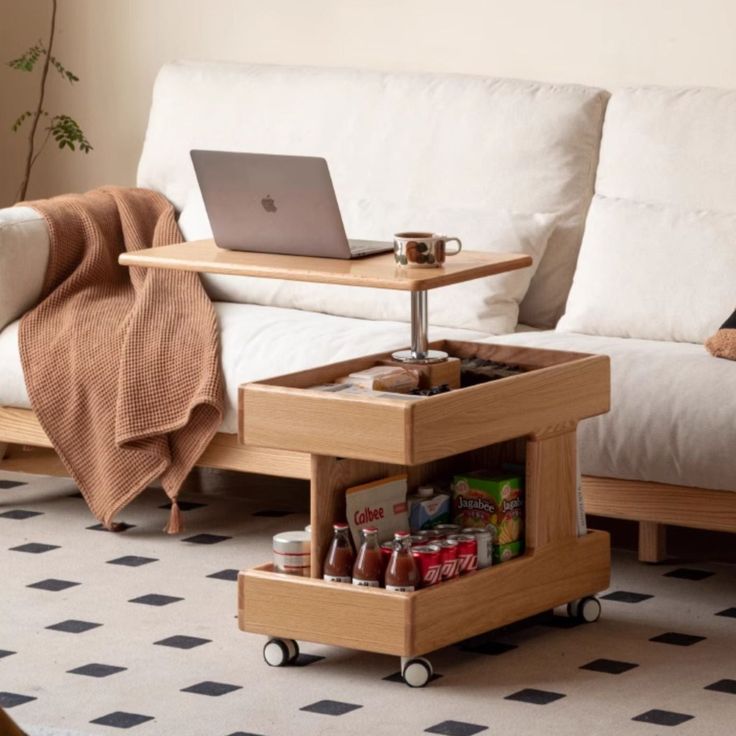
(381, 504)
(426, 512)
(483, 498)
(503, 552)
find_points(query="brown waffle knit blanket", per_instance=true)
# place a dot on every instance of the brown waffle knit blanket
(121, 365)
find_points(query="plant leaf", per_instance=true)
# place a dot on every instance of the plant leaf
(68, 134)
(20, 120)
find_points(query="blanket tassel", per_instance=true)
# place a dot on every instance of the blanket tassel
(175, 525)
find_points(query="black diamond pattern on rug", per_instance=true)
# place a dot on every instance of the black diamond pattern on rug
(626, 596)
(53, 584)
(663, 717)
(10, 700)
(560, 622)
(396, 677)
(213, 689)
(120, 526)
(185, 505)
(182, 642)
(34, 548)
(304, 660)
(330, 707)
(155, 599)
(537, 697)
(455, 728)
(132, 560)
(121, 719)
(493, 648)
(5, 653)
(230, 575)
(73, 626)
(20, 514)
(244, 733)
(272, 513)
(610, 666)
(723, 686)
(8, 484)
(95, 669)
(678, 640)
(205, 539)
(686, 573)
(728, 612)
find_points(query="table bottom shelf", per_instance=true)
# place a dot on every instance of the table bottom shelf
(412, 624)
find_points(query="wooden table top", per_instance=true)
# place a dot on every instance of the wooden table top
(378, 271)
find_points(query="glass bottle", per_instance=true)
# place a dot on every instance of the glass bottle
(367, 569)
(402, 573)
(338, 567)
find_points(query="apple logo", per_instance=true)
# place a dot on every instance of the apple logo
(268, 204)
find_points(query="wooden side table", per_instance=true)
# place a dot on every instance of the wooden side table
(529, 418)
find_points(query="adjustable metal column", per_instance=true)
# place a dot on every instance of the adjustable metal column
(419, 351)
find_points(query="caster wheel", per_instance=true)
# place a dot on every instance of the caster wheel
(417, 672)
(280, 652)
(586, 610)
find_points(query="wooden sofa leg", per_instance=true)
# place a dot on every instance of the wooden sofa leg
(652, 541)
(3, 449)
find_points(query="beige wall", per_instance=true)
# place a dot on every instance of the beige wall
(116, 46)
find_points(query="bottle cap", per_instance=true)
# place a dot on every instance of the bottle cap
(340, 526)
(401, 534)
(369, 530)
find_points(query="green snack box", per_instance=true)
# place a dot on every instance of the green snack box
(503, 552)
(483, 498)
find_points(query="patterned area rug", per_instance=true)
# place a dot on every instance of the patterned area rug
(137, 630)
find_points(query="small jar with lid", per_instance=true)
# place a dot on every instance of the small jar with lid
(292, 553)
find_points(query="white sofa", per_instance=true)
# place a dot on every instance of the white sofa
(493, 156)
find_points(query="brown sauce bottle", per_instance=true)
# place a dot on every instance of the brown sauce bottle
(368, 568)
(338, 567)
(402, 573)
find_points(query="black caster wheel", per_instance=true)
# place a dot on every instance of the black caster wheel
(417, 672)
(280, 652)
(586, 610)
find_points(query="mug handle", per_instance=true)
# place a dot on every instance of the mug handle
(454, 252)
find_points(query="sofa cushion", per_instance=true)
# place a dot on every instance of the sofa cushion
(489, 305)
(407, 140)
(259, 342)
(659, 252)
(671, 418)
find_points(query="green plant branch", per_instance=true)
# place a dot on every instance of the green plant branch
(39, 108)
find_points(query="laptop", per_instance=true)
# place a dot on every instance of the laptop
(275, 204)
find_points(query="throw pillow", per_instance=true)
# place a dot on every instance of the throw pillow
(489, 305)
(723, 343)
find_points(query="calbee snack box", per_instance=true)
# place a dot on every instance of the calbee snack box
(381, 504)
(483, 498)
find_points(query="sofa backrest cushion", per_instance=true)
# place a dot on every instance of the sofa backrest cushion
(658, 259)
(403, 139)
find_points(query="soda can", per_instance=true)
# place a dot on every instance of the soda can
(484, 542)
(435, 535)
(429, 562)
(417, 540)
(448, 529)
(450, 562)
(467, 552)
(425, 534)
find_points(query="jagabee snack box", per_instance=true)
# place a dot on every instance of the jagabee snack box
(481, 498)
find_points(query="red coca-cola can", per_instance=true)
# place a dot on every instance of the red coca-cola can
(450, 561)
(429, 561)
(467, 552)
(435, 535)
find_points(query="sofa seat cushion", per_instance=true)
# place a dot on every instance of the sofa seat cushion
(259, 342)
(671, 418)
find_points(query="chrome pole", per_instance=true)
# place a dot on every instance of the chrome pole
(419, 351)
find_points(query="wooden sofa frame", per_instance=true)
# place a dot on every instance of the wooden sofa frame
(652, 505)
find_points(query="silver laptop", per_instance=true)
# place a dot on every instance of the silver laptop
(275, 204)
